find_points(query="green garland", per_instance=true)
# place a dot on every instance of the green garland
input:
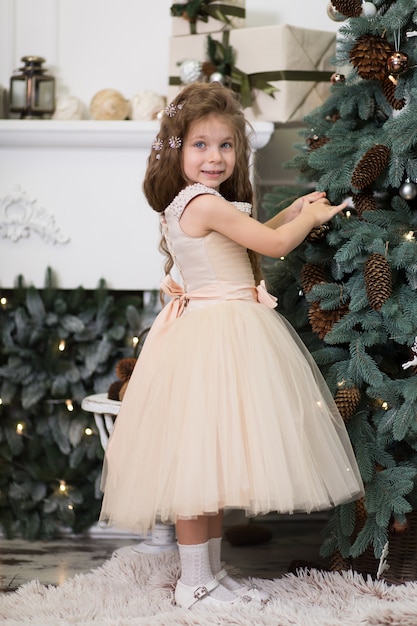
(57, 347)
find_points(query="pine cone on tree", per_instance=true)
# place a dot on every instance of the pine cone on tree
(318, 233)
(388, 88)
(364, 201)
(339, 563)
(347, 401)
(378, 280)
(369, 56)
(316, 142)
(311, 275)
(371, 165)
(361, 516)
(348, 8)
(322, 321)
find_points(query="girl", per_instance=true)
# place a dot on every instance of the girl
(225, 407)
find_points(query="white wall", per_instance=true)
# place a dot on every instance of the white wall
(90, 45)
(93, 44)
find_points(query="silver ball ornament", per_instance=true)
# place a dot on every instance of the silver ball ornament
(334, 14)
(369, 9)
(408, 190)
(216, 77)
(190, 71)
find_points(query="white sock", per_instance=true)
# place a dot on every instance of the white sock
(195, 569)
(216, 564)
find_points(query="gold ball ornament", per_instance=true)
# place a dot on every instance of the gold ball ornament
(337, 79)
(397, 63)
(334, 14)
(109, 104)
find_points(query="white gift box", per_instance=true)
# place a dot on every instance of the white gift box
(181, 26)
(296, 61)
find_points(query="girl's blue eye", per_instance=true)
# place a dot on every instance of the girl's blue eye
(227, 144)
(199, 144)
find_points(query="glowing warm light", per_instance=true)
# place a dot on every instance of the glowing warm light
(3, 301)
(62, 345)
(71, 507)
(384, 405)
(1, 401)
(341, 383)
(348, 214)
(88, 431)
(70, 405)
(62, 486)
(19, 428)
(282, 258)
(135, 341)
(409, 236)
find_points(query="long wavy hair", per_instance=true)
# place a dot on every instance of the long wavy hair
(164, 177)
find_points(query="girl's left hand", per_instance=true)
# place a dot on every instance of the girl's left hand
(294, 209)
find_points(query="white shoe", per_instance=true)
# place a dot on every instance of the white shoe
(243, 591)
(187, 596)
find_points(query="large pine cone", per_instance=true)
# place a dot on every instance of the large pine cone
(322, 321)
(369, 56)
(371, 165)
(347, 401)
(311, 275)
(388, 89)
(378, 280)
(349, 8)
(361, 515)
(339, 563)
(364, 201)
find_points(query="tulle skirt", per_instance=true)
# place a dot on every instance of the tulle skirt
(225, 408)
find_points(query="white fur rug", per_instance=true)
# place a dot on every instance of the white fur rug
(133, 589)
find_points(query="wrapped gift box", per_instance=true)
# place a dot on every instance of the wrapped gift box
(296, 61)
(181, 26)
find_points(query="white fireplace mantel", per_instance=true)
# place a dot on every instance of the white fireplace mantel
(96, 134)
(71, 199)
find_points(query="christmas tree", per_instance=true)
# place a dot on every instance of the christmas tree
(351, 289)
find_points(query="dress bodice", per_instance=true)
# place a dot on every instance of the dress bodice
(205, 261)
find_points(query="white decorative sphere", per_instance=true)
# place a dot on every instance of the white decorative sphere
(146, 105)
(190, 71)
(369, 9)
(68, 108)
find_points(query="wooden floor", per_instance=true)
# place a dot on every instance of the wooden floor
(294, 541)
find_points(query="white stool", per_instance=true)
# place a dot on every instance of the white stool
(162, 538)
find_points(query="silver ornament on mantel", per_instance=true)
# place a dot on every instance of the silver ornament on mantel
(408, 190)
(334, 14)
(216, 77)
(190, 71)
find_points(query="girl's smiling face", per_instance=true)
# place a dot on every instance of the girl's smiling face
(208, 155)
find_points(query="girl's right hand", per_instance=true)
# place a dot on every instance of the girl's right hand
(321, 210)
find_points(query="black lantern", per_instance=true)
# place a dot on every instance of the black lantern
(32, 91)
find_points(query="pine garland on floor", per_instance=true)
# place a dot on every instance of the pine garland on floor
(57, 347)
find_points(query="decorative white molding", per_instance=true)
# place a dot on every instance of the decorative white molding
(96, 134)
(20, 215)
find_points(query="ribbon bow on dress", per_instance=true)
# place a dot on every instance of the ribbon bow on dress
(180, 297)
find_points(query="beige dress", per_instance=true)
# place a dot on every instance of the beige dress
(225, 407)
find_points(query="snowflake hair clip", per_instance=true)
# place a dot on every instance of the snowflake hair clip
(157, 145)
(175, 142)
(172, 109)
